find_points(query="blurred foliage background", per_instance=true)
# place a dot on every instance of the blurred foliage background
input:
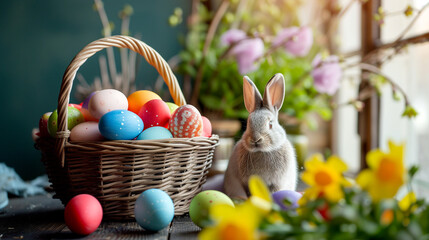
(38, 41)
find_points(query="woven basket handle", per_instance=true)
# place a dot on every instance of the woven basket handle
(151, 56)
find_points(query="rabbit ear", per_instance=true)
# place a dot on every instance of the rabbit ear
(252, 97)
(275, 92)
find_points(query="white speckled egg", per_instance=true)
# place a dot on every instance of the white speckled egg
(105, 101)
(86, 131)
(120, 125)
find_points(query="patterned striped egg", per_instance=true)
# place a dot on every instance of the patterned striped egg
(186, 122)
(120, 125)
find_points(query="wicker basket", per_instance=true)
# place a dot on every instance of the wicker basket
(116, 172)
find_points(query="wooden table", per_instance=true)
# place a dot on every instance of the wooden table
(42, 217)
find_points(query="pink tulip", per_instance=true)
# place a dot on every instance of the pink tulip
(326, 74)
(232, 36)
(297, 41)
(247, 52)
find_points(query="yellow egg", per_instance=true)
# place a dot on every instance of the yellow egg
(137, 99)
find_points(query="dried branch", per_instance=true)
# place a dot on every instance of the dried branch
(107, 33)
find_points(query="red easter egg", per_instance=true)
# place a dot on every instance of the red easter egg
(207, 127)
(43, 125)
(186, 122)
(78, 106)
(155, 113)
(83, 214)
(87, 115)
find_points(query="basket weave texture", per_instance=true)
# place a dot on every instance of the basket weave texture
(117, 172)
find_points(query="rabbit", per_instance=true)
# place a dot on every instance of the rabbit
(263, 149)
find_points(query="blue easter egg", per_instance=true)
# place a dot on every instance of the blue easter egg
(154, 133)
(120, 125)
(154, 210)
(287, 199)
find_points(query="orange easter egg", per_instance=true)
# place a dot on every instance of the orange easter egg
(186, 122)
(137, 99)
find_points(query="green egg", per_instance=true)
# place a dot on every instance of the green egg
(172, 107)
(74, 117)
(201, 203)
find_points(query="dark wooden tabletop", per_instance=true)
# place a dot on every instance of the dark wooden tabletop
(42, 217)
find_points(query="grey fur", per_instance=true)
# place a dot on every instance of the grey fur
(263, 150)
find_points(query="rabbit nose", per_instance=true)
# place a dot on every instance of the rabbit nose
(257, 141)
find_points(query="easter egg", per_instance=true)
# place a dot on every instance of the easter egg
(74, 117)
(186, 122)
(154, 133)
(86, 131)
(77, 106)
(154, 210)
(201, 203)
(120, 125)
(105, 101)
(172, 107)
(155, 113)
(287, 199)
(137, 99)
(87, 115)
(207, 127)
(43, 124)
(85, 102)
(83, 214)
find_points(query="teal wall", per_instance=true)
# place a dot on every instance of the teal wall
(37, 42)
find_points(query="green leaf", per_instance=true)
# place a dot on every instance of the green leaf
(409, 112)
(412, 171)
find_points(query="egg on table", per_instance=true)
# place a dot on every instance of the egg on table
(155, 113)
(83, 214)
(120, 125)
(186, 122)
(105, 101)
(154, 210)
(201, 203)
(287, 199)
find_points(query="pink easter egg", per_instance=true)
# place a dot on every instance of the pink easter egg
(155, 113)
(186, 122)
(207, 127)
(105, 101)
(86, 131)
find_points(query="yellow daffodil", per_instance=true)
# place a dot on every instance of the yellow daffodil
(386, 173)
(324, 178)
(260, 196)
(407, 201)
(231, 223)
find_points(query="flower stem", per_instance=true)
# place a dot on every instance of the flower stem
(209, 38)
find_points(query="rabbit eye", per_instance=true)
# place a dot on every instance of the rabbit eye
(270, 124)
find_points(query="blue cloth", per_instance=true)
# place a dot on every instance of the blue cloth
(11, 182)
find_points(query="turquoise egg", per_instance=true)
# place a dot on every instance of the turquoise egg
(120, 125)
(154, 210)
(155, 133)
